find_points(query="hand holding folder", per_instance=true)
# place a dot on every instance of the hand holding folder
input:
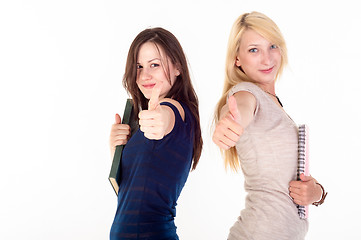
(303, 163)
(116, 171)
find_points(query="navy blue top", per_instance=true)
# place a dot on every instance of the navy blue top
(153, 175)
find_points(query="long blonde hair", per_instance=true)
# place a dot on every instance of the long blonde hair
(264, 26)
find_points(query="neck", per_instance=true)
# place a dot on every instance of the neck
(269, 88)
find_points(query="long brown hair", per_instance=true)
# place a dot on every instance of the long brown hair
(182, 89)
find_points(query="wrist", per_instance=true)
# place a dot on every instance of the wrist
(323, 196)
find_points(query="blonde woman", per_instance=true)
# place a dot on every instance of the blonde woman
(255, 134)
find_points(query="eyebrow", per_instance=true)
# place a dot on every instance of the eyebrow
(259, 44)
(151, 60)
(154, 59)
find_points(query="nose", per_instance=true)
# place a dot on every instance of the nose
(144, 74)
(266, 58)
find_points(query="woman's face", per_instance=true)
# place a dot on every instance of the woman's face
(259, 58)
(152, 68)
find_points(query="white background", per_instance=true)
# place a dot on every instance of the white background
(61, 65)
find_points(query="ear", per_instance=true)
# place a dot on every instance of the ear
(238, 62)
(177, 72)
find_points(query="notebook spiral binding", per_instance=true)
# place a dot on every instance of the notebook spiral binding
(303, 162)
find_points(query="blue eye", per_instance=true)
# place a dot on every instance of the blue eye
(154, 65)
(274, 46)
(253, 50)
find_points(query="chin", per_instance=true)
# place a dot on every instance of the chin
(267, 79)
(146, 93)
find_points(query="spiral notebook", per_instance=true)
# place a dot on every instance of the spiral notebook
(303, 162)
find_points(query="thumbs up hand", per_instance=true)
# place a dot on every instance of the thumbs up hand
(228, 130)
(233, 109)
(119, 134)
(153, 121)
(154, 98)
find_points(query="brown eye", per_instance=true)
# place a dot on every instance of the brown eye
(154, 65)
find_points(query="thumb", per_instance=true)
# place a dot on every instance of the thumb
(154, 99)
(305, 178)
(118, 120)
(233, 108)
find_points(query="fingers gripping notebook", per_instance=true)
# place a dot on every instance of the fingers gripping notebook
(303, 162)
(116, 171)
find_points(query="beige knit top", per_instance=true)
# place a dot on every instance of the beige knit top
(267, 151)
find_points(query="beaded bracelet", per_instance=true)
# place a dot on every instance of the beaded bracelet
(324, 194)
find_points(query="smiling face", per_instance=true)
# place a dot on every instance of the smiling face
(154, 67)
(259, 59)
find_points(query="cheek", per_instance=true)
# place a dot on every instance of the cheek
(249, 66)
(173, 79)
(166, 88)
(249, 62)
(277, 57)
(277, 63)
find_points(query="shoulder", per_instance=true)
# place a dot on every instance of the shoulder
(244, 87)
(175, 104)
(246, 94)
(244, 98)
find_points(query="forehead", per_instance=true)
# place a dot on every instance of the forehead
(149, 51)
(251, 37)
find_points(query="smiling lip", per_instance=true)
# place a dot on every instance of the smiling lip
(148, 86)
(269, 70)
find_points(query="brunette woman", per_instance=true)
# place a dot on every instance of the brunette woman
(158, 157)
